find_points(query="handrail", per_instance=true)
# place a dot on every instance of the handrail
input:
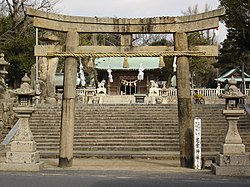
(11, 133)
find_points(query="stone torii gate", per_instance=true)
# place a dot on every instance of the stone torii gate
(73, 26)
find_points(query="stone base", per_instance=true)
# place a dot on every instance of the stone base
(231, 165)
(2, 147)
(232, 160)
(23, 146)
(21, 167)
(230, 170)
(23, 157)
(228, 149)
(206, 163)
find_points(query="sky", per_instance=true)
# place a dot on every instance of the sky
(134, 8)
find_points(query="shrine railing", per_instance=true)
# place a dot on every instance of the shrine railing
(207, 92)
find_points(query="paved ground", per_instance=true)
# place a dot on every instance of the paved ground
(114, 164)
(128, 166)
(83, 164)
(119, 164)
(114, 178)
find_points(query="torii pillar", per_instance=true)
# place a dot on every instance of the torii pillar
(184, 103)
(68, 102)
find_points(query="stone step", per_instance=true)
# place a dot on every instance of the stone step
(131, 130)
(171, 140)
(115, 148)
(117, 143)
(116, 154)
(116, 129)
(214, 148)
(128, 125)
(107, 137)
(110, 121)
(124, 140)
(127, 120)
(112, 134)
(119, 130)
(98, 126)
(130, 112)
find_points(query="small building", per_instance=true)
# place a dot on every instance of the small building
(58, 82)
(125, 72)
(237, 74)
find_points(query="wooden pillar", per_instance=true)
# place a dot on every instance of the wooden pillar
(184, 103)
(68, 102)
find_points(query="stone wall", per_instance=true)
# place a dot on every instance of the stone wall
(7, 117)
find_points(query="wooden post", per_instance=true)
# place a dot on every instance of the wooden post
(68, 103)
(184, 103)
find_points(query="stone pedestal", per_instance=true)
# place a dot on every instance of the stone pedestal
(231, 165)
(232, 159)
(101, 91)
(154, 91)
(90, 92)
(22, 155)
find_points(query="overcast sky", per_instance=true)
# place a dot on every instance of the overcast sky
(133, 8)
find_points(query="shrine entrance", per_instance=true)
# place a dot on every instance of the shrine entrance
(178, 26)
(128, 85)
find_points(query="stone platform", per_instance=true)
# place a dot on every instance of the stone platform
(233, 165)
(21, 167)
(230, 170)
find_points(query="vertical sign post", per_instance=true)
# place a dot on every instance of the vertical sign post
(197, 143)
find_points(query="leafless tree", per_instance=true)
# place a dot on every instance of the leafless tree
(15, 11)
(148, 39)
(208, 35)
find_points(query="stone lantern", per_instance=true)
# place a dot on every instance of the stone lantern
(3, 65)
(25, 94)
(3, 73)
(232, 159)
(23, 155)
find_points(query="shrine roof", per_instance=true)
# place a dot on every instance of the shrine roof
(116, 63)
(236, 73)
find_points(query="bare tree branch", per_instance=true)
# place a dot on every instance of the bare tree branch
(16, 10)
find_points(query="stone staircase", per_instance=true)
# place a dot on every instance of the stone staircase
(130, 131)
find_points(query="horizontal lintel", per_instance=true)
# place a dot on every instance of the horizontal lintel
(125, 21)
(50, 50)
(199, 25)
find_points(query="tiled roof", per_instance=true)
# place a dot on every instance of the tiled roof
(233, 72)
(116, 63)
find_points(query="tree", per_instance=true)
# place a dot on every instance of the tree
(236, 47)
(17, 35)
(201, 37)
(149, 39)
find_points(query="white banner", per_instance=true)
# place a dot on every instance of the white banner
(197, 143)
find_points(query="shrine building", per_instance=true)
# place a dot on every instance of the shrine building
(125, 72)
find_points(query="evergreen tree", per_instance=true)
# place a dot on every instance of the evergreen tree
(17, 35)
(236, 47)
